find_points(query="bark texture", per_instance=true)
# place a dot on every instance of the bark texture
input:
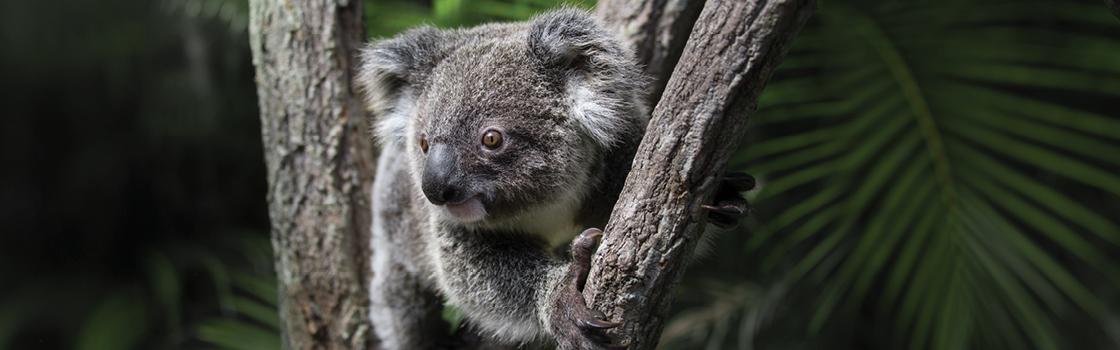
(695, 128)
(320, 168)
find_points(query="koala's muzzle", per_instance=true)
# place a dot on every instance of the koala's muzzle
(440, 176)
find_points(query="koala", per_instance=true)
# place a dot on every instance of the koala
(500, 144)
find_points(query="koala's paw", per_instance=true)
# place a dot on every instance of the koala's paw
(574, 324)
(729, 205)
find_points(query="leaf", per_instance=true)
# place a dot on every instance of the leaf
(1034, 76)
(931, 159)
(1056, 115)
(1037, 156)
(261, 287)
(265, 314)
(117, 323)
(234, 335)
(164, 281)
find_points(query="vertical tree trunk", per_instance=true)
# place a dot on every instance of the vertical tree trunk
(320, 164)
(696, 127)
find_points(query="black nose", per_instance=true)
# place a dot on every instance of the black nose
(440, 171)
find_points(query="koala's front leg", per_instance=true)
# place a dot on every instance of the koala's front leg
(575, 325)
(509, 286)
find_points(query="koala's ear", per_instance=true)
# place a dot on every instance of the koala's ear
(391, 72)
(599, 73)
(566, 38)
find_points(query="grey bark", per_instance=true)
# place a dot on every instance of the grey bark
(320, 167)
(695, 129)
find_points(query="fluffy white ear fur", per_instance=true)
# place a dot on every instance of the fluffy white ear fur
(574, 44)
(598, 116)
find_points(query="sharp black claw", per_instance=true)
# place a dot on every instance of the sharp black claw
(600, 324)
(731, 210)
(741, 182)
(727, 214)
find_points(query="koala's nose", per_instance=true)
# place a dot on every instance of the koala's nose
(439, 171)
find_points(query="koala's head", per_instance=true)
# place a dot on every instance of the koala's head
(505, 120)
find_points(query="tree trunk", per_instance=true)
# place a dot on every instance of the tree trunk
(695, 129)
(320, 168)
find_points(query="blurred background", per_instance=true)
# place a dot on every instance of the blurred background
(933, 175)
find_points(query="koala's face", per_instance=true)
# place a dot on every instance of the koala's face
(492, 137)
(506, 123)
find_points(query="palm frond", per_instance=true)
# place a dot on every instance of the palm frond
(930, 164)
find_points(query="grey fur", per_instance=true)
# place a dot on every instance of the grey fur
(565, 94)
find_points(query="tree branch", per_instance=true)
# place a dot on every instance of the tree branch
(695, 129)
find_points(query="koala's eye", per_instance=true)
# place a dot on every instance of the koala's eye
(424, 143)
(492, 139)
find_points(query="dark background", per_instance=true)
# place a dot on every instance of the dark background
(129, 131)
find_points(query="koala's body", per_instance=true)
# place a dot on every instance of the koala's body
(499, 143)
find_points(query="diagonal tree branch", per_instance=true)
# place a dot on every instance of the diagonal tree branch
(733, 48)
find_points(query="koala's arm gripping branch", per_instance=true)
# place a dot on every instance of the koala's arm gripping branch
(512, 287)
(696, 127)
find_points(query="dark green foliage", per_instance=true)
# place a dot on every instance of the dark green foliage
(934, 174)
(133, 179)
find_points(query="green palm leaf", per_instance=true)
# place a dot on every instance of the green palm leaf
(929, 158)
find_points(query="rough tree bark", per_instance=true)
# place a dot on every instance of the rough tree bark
(695, 128)
(320, 164)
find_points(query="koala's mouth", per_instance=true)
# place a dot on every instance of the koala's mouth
(468, 210)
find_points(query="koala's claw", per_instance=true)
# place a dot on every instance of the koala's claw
(575, 325)
(730, 206)
(600, 324)
(582, 249)
(740, 182)
(732, 209)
